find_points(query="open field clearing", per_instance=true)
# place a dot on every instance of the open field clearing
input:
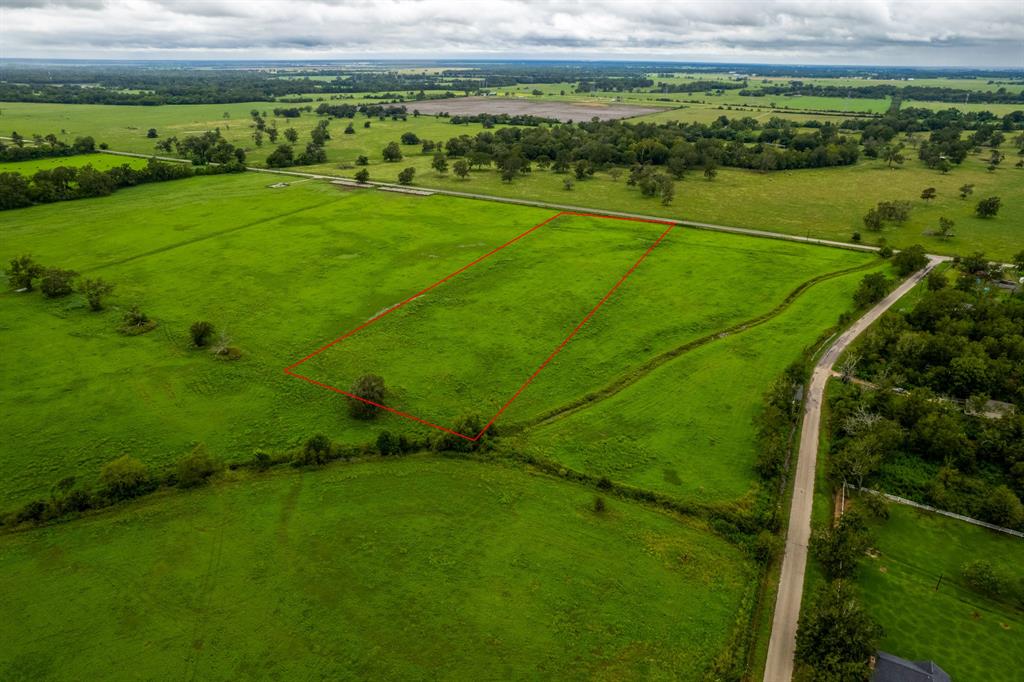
(685, 429)
(279, 270)
(124, 128)
(467, 345)
(97, 161)
(665, 99)
(915, 590)
(563, 111)
(832, 201)
(282, 271)
(827, 203)
(706, 113)
(416, 569)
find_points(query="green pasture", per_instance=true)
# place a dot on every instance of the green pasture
(418, 569)
(283, 271)
(685, 429)
(823, 203)
(97, 161)
(914, 590)
(827, 203)
(484, 332)
(279, 270)
(125, 128)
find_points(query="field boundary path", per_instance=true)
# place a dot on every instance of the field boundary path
(782, 645)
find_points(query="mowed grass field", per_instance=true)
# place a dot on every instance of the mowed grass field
(282, 271)
(466, 345)
(913, 588)
(827, 203)
(279, 270)
(418, 569)
(686, 428)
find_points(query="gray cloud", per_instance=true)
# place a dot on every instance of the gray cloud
(980, 33)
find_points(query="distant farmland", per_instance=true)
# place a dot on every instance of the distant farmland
(563, 111)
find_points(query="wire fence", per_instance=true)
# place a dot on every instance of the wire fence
(967, 519)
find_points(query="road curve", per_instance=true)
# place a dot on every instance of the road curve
(781, 647)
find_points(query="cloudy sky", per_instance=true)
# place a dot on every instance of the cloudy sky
(931, 33)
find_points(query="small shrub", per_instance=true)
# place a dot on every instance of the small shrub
(223, 350)
(195, 467)
(988, 207)
(94, 291)
(200, 333)
(77, 500)
(885, 252)
(261, 461)
(392, 152)
(982, 577)
(766, 546)
(604, 484)
(32, 512)
(368, 387)
(362, 175)
(22, 271)
(124, 478)
(317, 450)
(136, 322)
(599, 505)
(56, 282)
(875, 505)
(406, 176)
(387, 444)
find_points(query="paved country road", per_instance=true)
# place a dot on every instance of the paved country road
(781, 647)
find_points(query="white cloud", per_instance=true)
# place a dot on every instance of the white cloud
(982, 33)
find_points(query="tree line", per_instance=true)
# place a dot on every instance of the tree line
(149, 85)
(699, 86)
(65, 183)
(43, 147)
(921, 93)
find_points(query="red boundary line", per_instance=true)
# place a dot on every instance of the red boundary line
(289, 369)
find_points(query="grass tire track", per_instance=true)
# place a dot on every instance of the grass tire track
(211, 235)
(634, 375)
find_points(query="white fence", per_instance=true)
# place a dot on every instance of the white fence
(911, 503)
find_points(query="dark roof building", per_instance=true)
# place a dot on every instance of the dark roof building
(889, 668)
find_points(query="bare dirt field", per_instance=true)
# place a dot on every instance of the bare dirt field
(563, 111)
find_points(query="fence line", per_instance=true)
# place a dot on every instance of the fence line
(911, 503)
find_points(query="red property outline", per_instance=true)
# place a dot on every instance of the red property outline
(529, 380)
